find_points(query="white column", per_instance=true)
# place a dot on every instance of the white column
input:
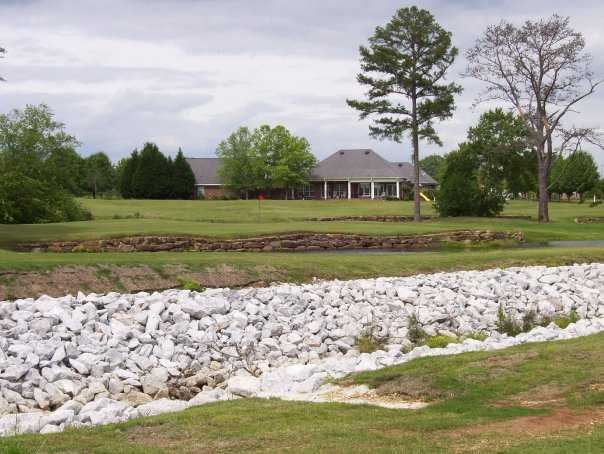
(398, 189)
(325, 190)
(372, 190)
(350, 195)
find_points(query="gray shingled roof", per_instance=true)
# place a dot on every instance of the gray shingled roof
(343, 164)
(364, 163)
(405, 170)
(205, 170)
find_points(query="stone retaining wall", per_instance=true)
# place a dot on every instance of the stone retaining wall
(298, 242)
(590, 220)
(395, 218)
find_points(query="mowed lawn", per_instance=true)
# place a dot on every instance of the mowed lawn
(241, 218)
(536, 398)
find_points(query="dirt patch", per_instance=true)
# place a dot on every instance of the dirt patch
(497, 365)
(410, 388)
(538, 397)
(482, 436)
(228, 276)
(130, 279)
(156, 435)
(508, 361)
(363, 395)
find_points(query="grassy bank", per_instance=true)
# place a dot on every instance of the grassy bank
(303, 266)
(531, 399)
(30, 274)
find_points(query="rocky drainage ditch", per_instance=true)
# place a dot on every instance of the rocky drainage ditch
(94, 359)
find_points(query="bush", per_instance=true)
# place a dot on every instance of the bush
(464, 191)
(529, 321)
(506, 324)
(24, 200)
(563, 322)
(441, 341)
(478, 335)
(369, 342)
(416, 333)
(189, 284)
(69, 210)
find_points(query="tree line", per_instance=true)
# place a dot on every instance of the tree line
(41, 172)
(539, 69)
(497, 162)
(149, 174)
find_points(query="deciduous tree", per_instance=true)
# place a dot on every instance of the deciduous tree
(288, 158)
(433, 165)
(501, 141)
(542, 71)
(30, 191)
(465, 190)
(67, 168)
(404, 68)
(100, 174)
(242, 170)
(267, 158)
(576, 174)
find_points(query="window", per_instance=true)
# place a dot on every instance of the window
(385, 190)
(364, 189)
(339, 190)
(307, 191)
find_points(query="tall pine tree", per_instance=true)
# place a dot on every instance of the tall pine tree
(151, 179)
(404, 67)
(183, 179)
(127, 176)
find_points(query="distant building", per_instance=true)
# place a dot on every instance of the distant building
(346, 174)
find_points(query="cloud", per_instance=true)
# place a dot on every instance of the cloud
(188, 72)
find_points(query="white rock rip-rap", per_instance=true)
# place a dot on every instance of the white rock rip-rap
(95, 359)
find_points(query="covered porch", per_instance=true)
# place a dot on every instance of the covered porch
(359, 189)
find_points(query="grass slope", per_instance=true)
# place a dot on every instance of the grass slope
(535, 398)
(300, 267)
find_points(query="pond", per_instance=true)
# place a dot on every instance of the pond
(528, 245)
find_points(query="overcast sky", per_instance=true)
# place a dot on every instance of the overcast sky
(186, 73)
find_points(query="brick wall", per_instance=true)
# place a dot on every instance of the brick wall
(215, 192)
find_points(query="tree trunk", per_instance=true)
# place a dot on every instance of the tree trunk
(543, 173)
(414, 133)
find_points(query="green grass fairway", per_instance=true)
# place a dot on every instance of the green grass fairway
(245, 211)
(530, 399)
(240, 218)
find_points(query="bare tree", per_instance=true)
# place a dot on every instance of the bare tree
(2, 53)
(543, 71)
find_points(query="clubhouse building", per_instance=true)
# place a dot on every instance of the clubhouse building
(346, 174)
